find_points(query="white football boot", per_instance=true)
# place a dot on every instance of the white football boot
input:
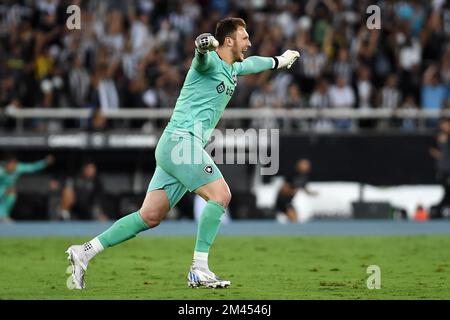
(79, 263)
(204, 277)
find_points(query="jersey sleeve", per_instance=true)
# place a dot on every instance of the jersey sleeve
(203, 63)
(254, 64)
(31, 167)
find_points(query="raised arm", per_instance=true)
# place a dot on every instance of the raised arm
(202, 61)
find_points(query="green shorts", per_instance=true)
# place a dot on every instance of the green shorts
(182, 164)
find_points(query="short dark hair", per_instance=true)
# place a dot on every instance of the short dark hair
(226, 27)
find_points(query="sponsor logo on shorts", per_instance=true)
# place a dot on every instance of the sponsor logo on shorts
(208, 169)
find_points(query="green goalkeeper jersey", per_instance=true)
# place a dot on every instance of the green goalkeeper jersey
(207, 89)
(8, 180)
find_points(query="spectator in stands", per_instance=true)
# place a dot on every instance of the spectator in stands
(265, 98)
(441, 153)
(343, 66)
(79, 83)
(9, 99)
(320, 99)
(9, 173)
(142, 40)
(342, 96)
(107, 96)
(82, 196)
(167, 85)
(390, 96)
(434, 92)
(294, 183)
(294, 100)
(312, 65)
(364, 88)
(408, 104)
(140, 50)
(8, 90)
(365, 91)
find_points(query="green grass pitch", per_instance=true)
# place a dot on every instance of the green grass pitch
(415, 267)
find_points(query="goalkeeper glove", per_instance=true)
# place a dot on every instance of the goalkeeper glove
(206, 42)
(286, 59)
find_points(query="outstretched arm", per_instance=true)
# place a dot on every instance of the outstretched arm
(256, 64)
(34, 166)
(204, 43)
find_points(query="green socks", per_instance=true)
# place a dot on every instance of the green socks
(130, 225)
(208, 226)
(122, 230)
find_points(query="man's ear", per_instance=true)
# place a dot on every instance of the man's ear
(228, 41)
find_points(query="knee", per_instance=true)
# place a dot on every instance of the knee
(223, 198)
(151, 217)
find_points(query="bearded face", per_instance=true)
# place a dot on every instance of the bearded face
(240, 44)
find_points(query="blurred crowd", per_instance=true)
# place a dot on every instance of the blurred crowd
(135, 54)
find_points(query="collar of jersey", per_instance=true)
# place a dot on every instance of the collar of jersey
(223, 62)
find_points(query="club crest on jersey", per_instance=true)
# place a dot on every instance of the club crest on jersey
(208, 169)
(221, 87)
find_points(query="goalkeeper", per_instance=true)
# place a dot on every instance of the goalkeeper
(207, 89)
